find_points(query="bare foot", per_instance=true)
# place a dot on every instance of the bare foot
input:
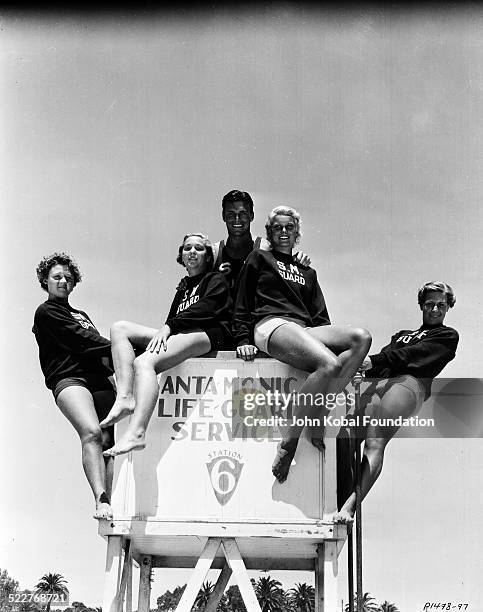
(318, 443)
(123, 406)
(283, 459)
(103, 507)
(344, 516)
(126, 444)
(316, 436)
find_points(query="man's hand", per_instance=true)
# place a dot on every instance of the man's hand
(246, 352)
(302, 258)
(366, 364)
(159, 340)
(225, 268)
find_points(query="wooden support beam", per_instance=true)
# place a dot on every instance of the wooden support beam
(350, 570)
(129, 584)
(144, 584)
(331, 569)
(319, 578)
(326, 569)
(251, 563)
(111, 574)
(124, 576)
(199, 574)
(235, 561)
(219, 589)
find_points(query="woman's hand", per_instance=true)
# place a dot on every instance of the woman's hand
(159, 340)
(246, 352)
(366, 364)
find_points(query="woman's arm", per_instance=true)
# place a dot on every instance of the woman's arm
(317, 307)
(61, 329)
(209, 309)
(439, 346)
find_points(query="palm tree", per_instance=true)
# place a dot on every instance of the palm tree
(51, 584)
(368, 603)
(234, 601)
(388, 607)
(270, 594)
(169, 601)
(204, 595)
(302, 597)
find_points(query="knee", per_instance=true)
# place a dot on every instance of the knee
(119, 328)
(330, 366)
(143, 363)
(93, 435)
(375, 446)
(361, 338)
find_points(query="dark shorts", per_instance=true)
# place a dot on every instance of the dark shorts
(102, 391)
(91, 384)
(219, 338)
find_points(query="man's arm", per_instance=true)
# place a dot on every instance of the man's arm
(300, 257)
(243, 311)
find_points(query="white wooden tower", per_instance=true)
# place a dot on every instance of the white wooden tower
(202, 496)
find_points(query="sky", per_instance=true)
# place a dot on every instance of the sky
(122, 131)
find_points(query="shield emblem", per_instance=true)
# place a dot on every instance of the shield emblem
(224, 474)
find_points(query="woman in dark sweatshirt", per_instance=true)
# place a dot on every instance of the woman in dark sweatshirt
(75, 360)
(280, 310)
(401, 375)
(198, 322)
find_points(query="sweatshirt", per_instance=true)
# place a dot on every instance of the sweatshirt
(201, 302)
(422, 353)
(236, 263)
(69, 344)
(272, 285)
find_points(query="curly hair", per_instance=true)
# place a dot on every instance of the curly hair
(289, 212)
(57, 258)
(210, 258)
(437, 286)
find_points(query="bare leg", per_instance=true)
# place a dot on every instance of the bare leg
(124, 337)
(291, 344)
(103, 401)
(146, 390)
(351, 345)
(397, 401)
(77, 405)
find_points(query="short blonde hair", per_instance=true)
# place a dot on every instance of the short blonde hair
(289, 212)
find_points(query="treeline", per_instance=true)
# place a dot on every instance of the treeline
(270, 594)
(271, 597)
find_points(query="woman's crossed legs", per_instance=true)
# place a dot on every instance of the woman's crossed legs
(136, 377)
(332, 356)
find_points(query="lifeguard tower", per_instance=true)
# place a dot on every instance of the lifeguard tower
(201, 494)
